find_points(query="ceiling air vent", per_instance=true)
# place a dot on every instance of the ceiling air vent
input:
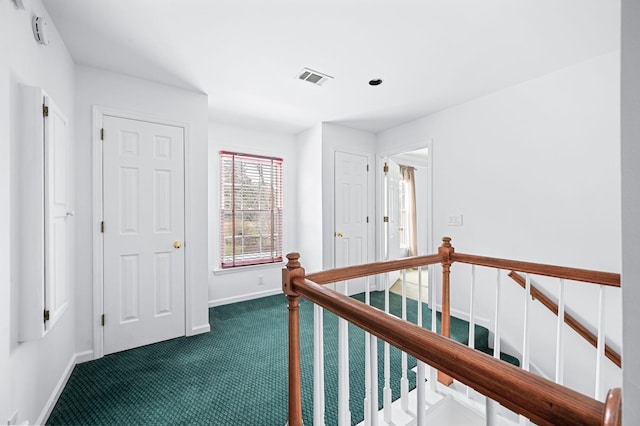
(314, 77)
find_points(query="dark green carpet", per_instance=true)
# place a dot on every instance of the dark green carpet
(234, 375)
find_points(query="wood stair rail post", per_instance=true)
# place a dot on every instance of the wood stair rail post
(293, 270)
(612, 415)
(445, 251)
(569, 319)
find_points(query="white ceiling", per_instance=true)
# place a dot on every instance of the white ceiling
(245, 54)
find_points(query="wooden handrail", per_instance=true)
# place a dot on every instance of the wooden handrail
(359, 271)
(539, 399)
(583, 331)
(574, 274)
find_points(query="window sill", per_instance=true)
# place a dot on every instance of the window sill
(248, 268)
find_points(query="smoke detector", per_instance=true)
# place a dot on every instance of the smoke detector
(314, 77)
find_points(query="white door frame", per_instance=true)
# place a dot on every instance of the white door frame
(380, 250)
(97, 217)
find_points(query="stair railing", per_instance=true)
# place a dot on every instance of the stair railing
(589, 277)
(536, 398)
(569, 319)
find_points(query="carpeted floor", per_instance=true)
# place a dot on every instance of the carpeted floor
(234, 375)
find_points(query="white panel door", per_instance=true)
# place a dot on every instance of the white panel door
(351, 177)
(57, 214)
(144, 286)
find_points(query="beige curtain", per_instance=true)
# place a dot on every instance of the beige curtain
(408, 175)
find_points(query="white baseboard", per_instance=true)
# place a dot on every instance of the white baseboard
(200, 329)
(77, 358)
(244, 297)
(85, 356)
(484, 322)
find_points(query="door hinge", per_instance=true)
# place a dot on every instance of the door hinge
(45, 110)
(102, 227)
(386, 219)
(367, 219)
(46, 315)
(385, 168)
(367, 167)
(102, 320)
(102, 134)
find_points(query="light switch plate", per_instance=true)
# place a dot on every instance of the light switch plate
(454, 220)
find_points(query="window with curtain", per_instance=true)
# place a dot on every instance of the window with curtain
(407, 174)
(250, 209)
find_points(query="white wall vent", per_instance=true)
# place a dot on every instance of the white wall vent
(314, 77)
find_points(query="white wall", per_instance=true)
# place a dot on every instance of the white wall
(106, 89)
(309, 172)
(32, 372)
(316, 149)
(534, 169)
(236, 284)
(631, 208)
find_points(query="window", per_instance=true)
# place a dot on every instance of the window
(250, 209)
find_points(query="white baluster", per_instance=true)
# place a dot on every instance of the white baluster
(420, 374)
(373, 362)
(491, 418)
(344, 413)
(601, 343)
(318, 366)
(472, 323)
(367, 363)
(525, 335)
(496, 319)
(404, 380)
(491, 405)
(421, 394)
(420, 296)
(525, 332)
(433, 376)
(560, 336)
(386, 391)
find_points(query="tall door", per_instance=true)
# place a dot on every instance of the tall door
(351, 191)
(144, 286)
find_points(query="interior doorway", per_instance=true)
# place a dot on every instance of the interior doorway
(407, 213)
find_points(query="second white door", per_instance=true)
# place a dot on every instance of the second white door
(351, 198)
(143, 198)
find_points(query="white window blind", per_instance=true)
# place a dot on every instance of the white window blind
(251, 209)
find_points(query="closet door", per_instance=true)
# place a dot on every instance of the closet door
(41, 216)
(57, 214)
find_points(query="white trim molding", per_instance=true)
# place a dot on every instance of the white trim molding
(64, 378)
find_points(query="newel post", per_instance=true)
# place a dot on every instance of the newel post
(293, 270)
(445, 251)
(612, 415)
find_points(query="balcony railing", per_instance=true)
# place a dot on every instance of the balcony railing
(531, 396)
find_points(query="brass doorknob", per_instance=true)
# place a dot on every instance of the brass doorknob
(339, 234)
(177, 244)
